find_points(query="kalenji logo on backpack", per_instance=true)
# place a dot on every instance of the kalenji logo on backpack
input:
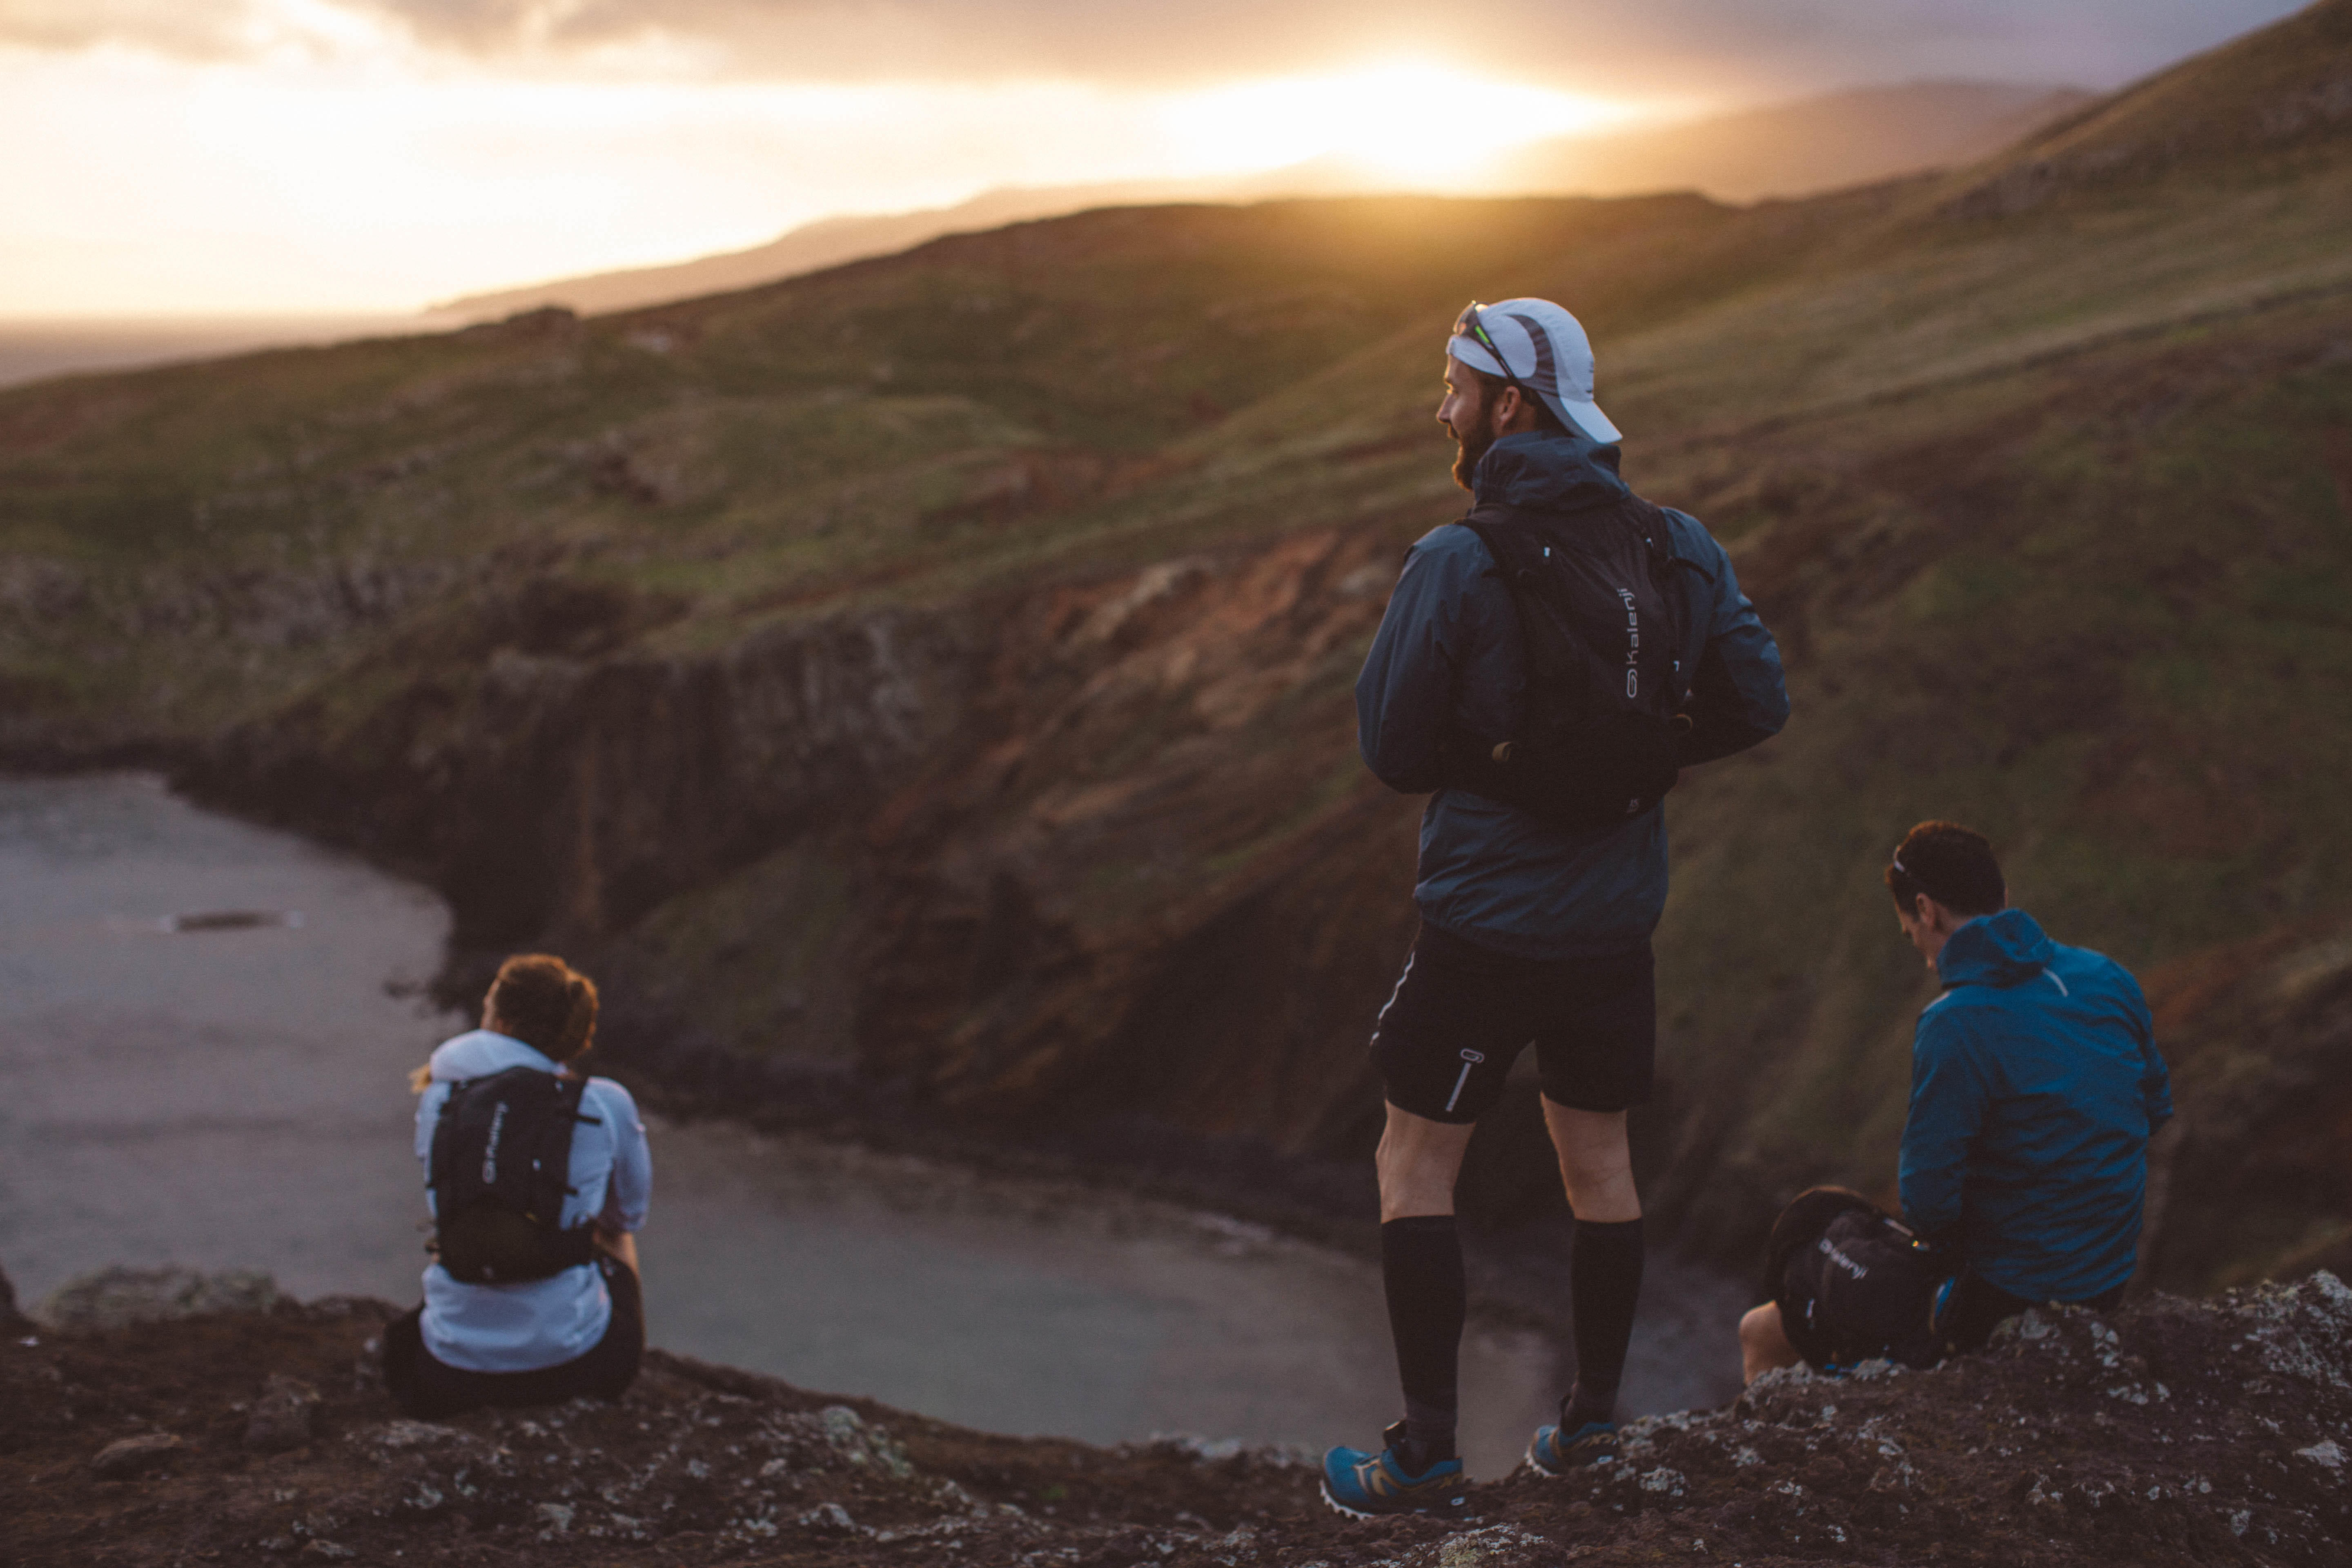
(1632, 645)
(500, 1170)
(1858, 1271)
(491, 1149)
(1604, 612)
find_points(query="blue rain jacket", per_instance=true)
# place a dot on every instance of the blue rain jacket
(2035, 1084)
(1449, 643)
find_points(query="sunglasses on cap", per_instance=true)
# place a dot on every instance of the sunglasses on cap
(1468, 325)
(1896, 859)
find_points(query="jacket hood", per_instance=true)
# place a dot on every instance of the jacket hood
(1546, 470)
(478, 1053)
(2004, 949)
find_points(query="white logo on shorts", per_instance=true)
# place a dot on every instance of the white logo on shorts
(1469, 1060)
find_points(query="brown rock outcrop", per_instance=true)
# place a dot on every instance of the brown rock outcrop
(282, 1417)
(2174, 1433)
(135, 1456)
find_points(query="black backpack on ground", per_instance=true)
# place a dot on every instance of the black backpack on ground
(499, 1171)
(1603, 613)
(1852, 1282)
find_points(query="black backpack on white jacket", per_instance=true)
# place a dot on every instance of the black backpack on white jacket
(499, 1171)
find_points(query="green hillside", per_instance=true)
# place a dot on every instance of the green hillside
(939, 665)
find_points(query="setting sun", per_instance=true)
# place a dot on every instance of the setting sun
(1413, 120)
(274, 157)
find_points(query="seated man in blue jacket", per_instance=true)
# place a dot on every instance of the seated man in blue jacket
(2035, 1086)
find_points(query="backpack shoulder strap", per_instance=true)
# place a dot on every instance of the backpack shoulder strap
(1497, 537)
(439, 1168)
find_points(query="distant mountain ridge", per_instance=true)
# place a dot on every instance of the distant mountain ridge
(812, 248)
(2289, 85)
(1799, 149)
(1787, 150)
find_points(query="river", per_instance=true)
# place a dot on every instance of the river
(204, 1026)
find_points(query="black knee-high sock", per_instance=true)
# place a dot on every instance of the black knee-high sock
(1604, 1280)
(1420, 1265)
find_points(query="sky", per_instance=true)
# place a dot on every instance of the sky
(196, 157)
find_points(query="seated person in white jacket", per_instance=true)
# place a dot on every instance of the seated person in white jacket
(532, 1297)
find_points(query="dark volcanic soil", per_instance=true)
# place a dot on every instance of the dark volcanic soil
(2177, 1431)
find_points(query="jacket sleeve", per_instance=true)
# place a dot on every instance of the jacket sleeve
(1405, 693)
(429, 1118)
(631, 1190)
(1948, 1096)
(1740, 696)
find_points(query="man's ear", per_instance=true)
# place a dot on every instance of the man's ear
(1509, 403)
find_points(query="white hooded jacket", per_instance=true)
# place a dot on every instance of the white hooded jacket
(542, 1323)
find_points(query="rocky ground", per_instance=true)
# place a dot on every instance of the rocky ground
(2176, 1432)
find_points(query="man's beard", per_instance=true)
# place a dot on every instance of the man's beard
(1473, 444)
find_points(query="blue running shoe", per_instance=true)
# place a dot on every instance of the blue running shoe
(1555, 1453)
(1363, 1484)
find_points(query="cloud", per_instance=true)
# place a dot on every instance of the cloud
(1639, 45)
(197, 28)
(1619, 48)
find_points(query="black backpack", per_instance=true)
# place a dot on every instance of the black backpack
(499, 1171)
(1853, 1283)
(1604, 612)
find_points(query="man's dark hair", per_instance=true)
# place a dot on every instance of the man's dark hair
(1950, 864)
(1490, 387)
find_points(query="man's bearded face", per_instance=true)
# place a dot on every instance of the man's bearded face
(1475, 431)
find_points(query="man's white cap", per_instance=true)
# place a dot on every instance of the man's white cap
(1546, 352)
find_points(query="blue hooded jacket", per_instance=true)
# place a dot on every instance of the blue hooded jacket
(2035, 1084)
(1449, 645)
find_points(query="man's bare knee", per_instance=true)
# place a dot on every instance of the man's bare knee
(1596, 1162)
(1418, 1160)
(1764, 1342)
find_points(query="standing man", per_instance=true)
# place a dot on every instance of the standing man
(2035, 1086)
(1543, 670)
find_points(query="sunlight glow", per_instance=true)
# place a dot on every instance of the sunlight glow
(1416, 120)
(329, 172)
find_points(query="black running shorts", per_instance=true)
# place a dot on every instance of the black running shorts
(1460, 1013)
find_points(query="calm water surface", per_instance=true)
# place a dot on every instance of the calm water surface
(229, 1094)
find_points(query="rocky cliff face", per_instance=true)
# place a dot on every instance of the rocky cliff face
(555, 788)
(1098, 847)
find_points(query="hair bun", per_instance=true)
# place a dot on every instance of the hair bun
(545, 1002)
(580, 1018)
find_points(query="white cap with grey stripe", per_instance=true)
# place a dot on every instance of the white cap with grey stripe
(1543, 349)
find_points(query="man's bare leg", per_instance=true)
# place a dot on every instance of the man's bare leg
(1596, 1162)
(1418, 1163)
(1604, 1268)
(1764, 1342)
(1420, 1270)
